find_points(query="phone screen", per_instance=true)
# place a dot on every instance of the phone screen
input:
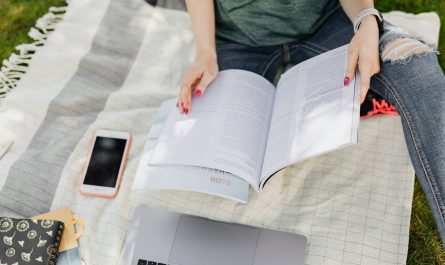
(105, 163)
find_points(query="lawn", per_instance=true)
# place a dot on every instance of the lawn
(18, 16)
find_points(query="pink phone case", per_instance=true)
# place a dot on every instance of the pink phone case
(121, 171)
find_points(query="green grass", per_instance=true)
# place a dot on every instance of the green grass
(424, 242)
(17, 16)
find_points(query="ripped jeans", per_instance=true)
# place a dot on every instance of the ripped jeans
(411, 79)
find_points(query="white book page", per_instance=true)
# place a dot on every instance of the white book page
(181, 177)
(226, 129)
(313, 112)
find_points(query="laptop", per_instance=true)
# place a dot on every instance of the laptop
(158, 237)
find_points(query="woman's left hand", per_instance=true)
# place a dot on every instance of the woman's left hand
(363, 51)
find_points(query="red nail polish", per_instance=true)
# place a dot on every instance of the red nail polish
(177, 105)
(186, 111)
(198, 93)
(182, 104)
(346, 81)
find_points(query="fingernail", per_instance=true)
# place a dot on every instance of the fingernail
(186, 111)
(182, 104)
(177, 105)
(198, 93)
(346, 81)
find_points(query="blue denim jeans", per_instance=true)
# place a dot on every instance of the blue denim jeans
(415, 85)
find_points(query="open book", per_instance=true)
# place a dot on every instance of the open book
(244, 126)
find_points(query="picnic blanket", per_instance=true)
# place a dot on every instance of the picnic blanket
(109, 64)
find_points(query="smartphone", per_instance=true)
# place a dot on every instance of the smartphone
(106, 165)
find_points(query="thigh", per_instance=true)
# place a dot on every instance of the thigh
(336, 31)
(409, 70)
(412, 80)
(264, 61)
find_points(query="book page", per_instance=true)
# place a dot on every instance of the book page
(313, 112)
(182, 177)
(226, 129)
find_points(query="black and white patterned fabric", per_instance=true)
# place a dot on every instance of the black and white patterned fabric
(30, 242)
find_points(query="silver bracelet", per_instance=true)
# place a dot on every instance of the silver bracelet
(368, 11)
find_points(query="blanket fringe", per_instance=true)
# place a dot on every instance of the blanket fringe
(16, 65)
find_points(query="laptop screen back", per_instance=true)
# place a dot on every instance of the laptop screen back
(202, 242)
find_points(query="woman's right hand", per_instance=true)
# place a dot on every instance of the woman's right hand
(195, 80)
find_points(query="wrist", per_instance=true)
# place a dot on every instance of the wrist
(370, 22)
(372, 17)
(206, 54)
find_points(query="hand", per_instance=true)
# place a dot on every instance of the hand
(363, 52)
(195, 80)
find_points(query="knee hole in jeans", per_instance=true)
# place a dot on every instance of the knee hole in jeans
(404, 48)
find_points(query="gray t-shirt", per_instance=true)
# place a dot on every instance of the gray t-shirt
(270, 22)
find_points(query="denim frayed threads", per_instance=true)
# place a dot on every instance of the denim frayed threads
(398, 46)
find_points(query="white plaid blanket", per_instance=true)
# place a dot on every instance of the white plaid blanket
(109, 64)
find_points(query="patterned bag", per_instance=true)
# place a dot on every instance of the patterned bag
(30, 242)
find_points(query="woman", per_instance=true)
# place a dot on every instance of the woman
(261, 36)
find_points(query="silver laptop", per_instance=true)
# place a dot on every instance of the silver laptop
(157, 237)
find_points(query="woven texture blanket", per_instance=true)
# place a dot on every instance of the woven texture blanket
(109, 64)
